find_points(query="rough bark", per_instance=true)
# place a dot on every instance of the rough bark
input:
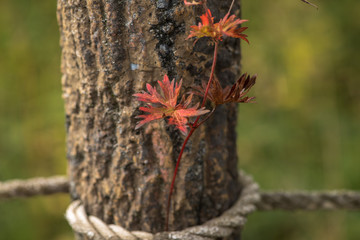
(110, 50)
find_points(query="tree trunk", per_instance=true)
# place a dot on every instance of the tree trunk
(110, 50)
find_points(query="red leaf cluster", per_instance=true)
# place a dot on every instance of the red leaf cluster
(228, 26)
(164, 105)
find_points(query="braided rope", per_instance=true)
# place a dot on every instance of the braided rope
(220, 227)
(331, 200)
(269, 200)
(33, 187)
(223, 226)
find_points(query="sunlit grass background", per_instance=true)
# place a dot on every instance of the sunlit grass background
(303, 132)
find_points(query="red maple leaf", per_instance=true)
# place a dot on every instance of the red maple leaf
(164, 105)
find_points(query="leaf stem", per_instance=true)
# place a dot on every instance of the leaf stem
(174, 176)
(207, 117)
(232, 4)
(192, 129)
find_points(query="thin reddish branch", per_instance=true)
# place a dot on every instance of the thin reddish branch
(207, 117)
(174, 176)
(192, 129)
(165, 105)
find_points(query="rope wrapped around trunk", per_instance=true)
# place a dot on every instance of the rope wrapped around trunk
(231, 220)
(220, 227)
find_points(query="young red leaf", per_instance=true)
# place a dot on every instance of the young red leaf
(205, 28)
(164, 105)
(228, 26)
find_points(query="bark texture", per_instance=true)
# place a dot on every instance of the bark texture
(110, 50)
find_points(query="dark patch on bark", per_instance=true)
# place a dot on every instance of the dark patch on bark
(194, 71)
(176, 140)
(204, 45)
(67, 122)
(166, 31)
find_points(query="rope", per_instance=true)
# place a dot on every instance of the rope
(33, 187)
(331, 200)
(220, 227)
(223, 226)
(269, 200)
(301, 200)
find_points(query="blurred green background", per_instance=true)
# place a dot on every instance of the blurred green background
(32, 139)
(303, 132)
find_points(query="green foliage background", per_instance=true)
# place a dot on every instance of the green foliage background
(303, 132)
